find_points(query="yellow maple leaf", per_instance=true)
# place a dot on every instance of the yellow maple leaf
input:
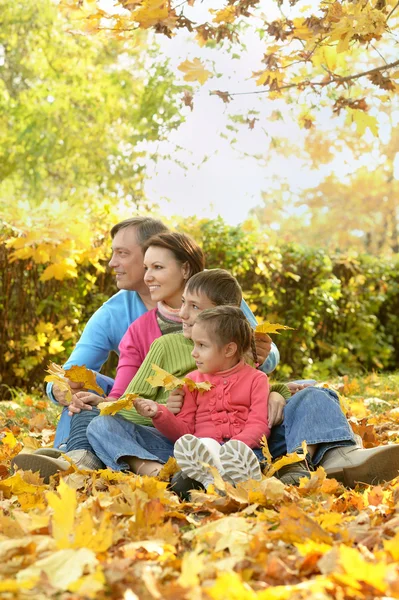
(80, 374)
(202, 386)
(8, 439)
(57, 375)
(164, 379)
(270, 327)
(194, 71)
(111, 408)
(225, 15)
(151, 12)
(64, 504)
(362, 121)
(88, 534)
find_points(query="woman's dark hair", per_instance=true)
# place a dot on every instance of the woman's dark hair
(218, 285)
(226, 324)
(145, 227)
(184, 248)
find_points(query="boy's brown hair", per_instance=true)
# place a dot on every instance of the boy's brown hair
(218, 285)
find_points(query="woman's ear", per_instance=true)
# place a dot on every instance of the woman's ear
(186, 270)
(230, 349)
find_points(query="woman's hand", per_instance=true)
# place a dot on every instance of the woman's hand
(84, 401)
(146, 408)
(175, 401)
(275, 410)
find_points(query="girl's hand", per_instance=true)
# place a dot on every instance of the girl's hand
(175, 401)
(83, 401)
(146, 408)
(275, 410)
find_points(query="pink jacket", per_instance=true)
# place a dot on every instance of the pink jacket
(235, 408)
(133, 349)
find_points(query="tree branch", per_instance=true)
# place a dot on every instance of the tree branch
(393, 10)
(334, 79)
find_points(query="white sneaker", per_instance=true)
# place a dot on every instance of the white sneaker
(239, 462)
(190, 453)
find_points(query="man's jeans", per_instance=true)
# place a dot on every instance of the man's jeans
(64, 424)
(313, 415)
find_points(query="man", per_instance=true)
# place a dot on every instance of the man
(106, 327)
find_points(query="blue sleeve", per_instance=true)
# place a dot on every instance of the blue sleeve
(274, 357)
(93, 347)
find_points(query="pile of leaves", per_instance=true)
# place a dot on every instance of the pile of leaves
(114, 535)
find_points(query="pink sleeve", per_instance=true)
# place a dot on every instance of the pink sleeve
(174, 426)
(131, 355)
(256, 426)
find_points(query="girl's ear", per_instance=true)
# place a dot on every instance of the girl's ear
(186, 270)
(230, 349)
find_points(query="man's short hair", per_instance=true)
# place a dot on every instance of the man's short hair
(145, 228)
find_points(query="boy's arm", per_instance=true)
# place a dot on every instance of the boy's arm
(273, 357)
(139, 384)
(174, 426)
(256, 426)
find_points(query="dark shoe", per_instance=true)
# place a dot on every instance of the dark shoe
(351, 464)
(182, 485)
(291, 474)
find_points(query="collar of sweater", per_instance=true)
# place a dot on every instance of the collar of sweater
(232, 371)
(172, 314)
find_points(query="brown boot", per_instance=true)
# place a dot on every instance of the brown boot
(351, 464)
(291, 474)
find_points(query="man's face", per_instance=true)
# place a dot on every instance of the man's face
(127, 260)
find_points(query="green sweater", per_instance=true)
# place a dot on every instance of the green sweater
(171, 352)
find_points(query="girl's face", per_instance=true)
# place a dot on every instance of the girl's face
(164, 276)
(208, 356)
(192, 303)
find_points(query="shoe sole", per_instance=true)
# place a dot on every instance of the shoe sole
(37, 463)
(190, 454)
(51, 452)
(239, 462)
(378, 468)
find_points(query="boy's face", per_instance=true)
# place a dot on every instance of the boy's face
(192, 304)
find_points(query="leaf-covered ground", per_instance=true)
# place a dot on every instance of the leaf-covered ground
(112, 535)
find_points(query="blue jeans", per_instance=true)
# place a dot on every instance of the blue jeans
(313, 415)
(113, 437)
(64, 424)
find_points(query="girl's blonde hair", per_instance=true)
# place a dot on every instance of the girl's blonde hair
(226, 324)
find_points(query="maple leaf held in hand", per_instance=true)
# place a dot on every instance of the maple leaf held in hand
(164, 379)
(80, 374)
(57, 375)
(111, 408)
(270, 327)
(194, 71)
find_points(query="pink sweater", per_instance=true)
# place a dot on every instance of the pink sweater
(235, 408)
(133, 349)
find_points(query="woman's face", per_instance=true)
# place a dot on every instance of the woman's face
(165, 276)
(192, 303)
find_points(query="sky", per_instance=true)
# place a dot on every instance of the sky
(222, 178)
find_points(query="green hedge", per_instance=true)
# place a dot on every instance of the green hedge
(344, 308)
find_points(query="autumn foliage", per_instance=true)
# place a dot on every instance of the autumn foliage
(105, 534)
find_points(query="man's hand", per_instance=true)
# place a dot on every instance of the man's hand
(175, 401)
(83, 401)
(146, 408)
(60, 395)
(263, 344)
(297, 387)
(275, 410)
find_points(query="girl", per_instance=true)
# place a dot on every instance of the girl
(233, 411)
